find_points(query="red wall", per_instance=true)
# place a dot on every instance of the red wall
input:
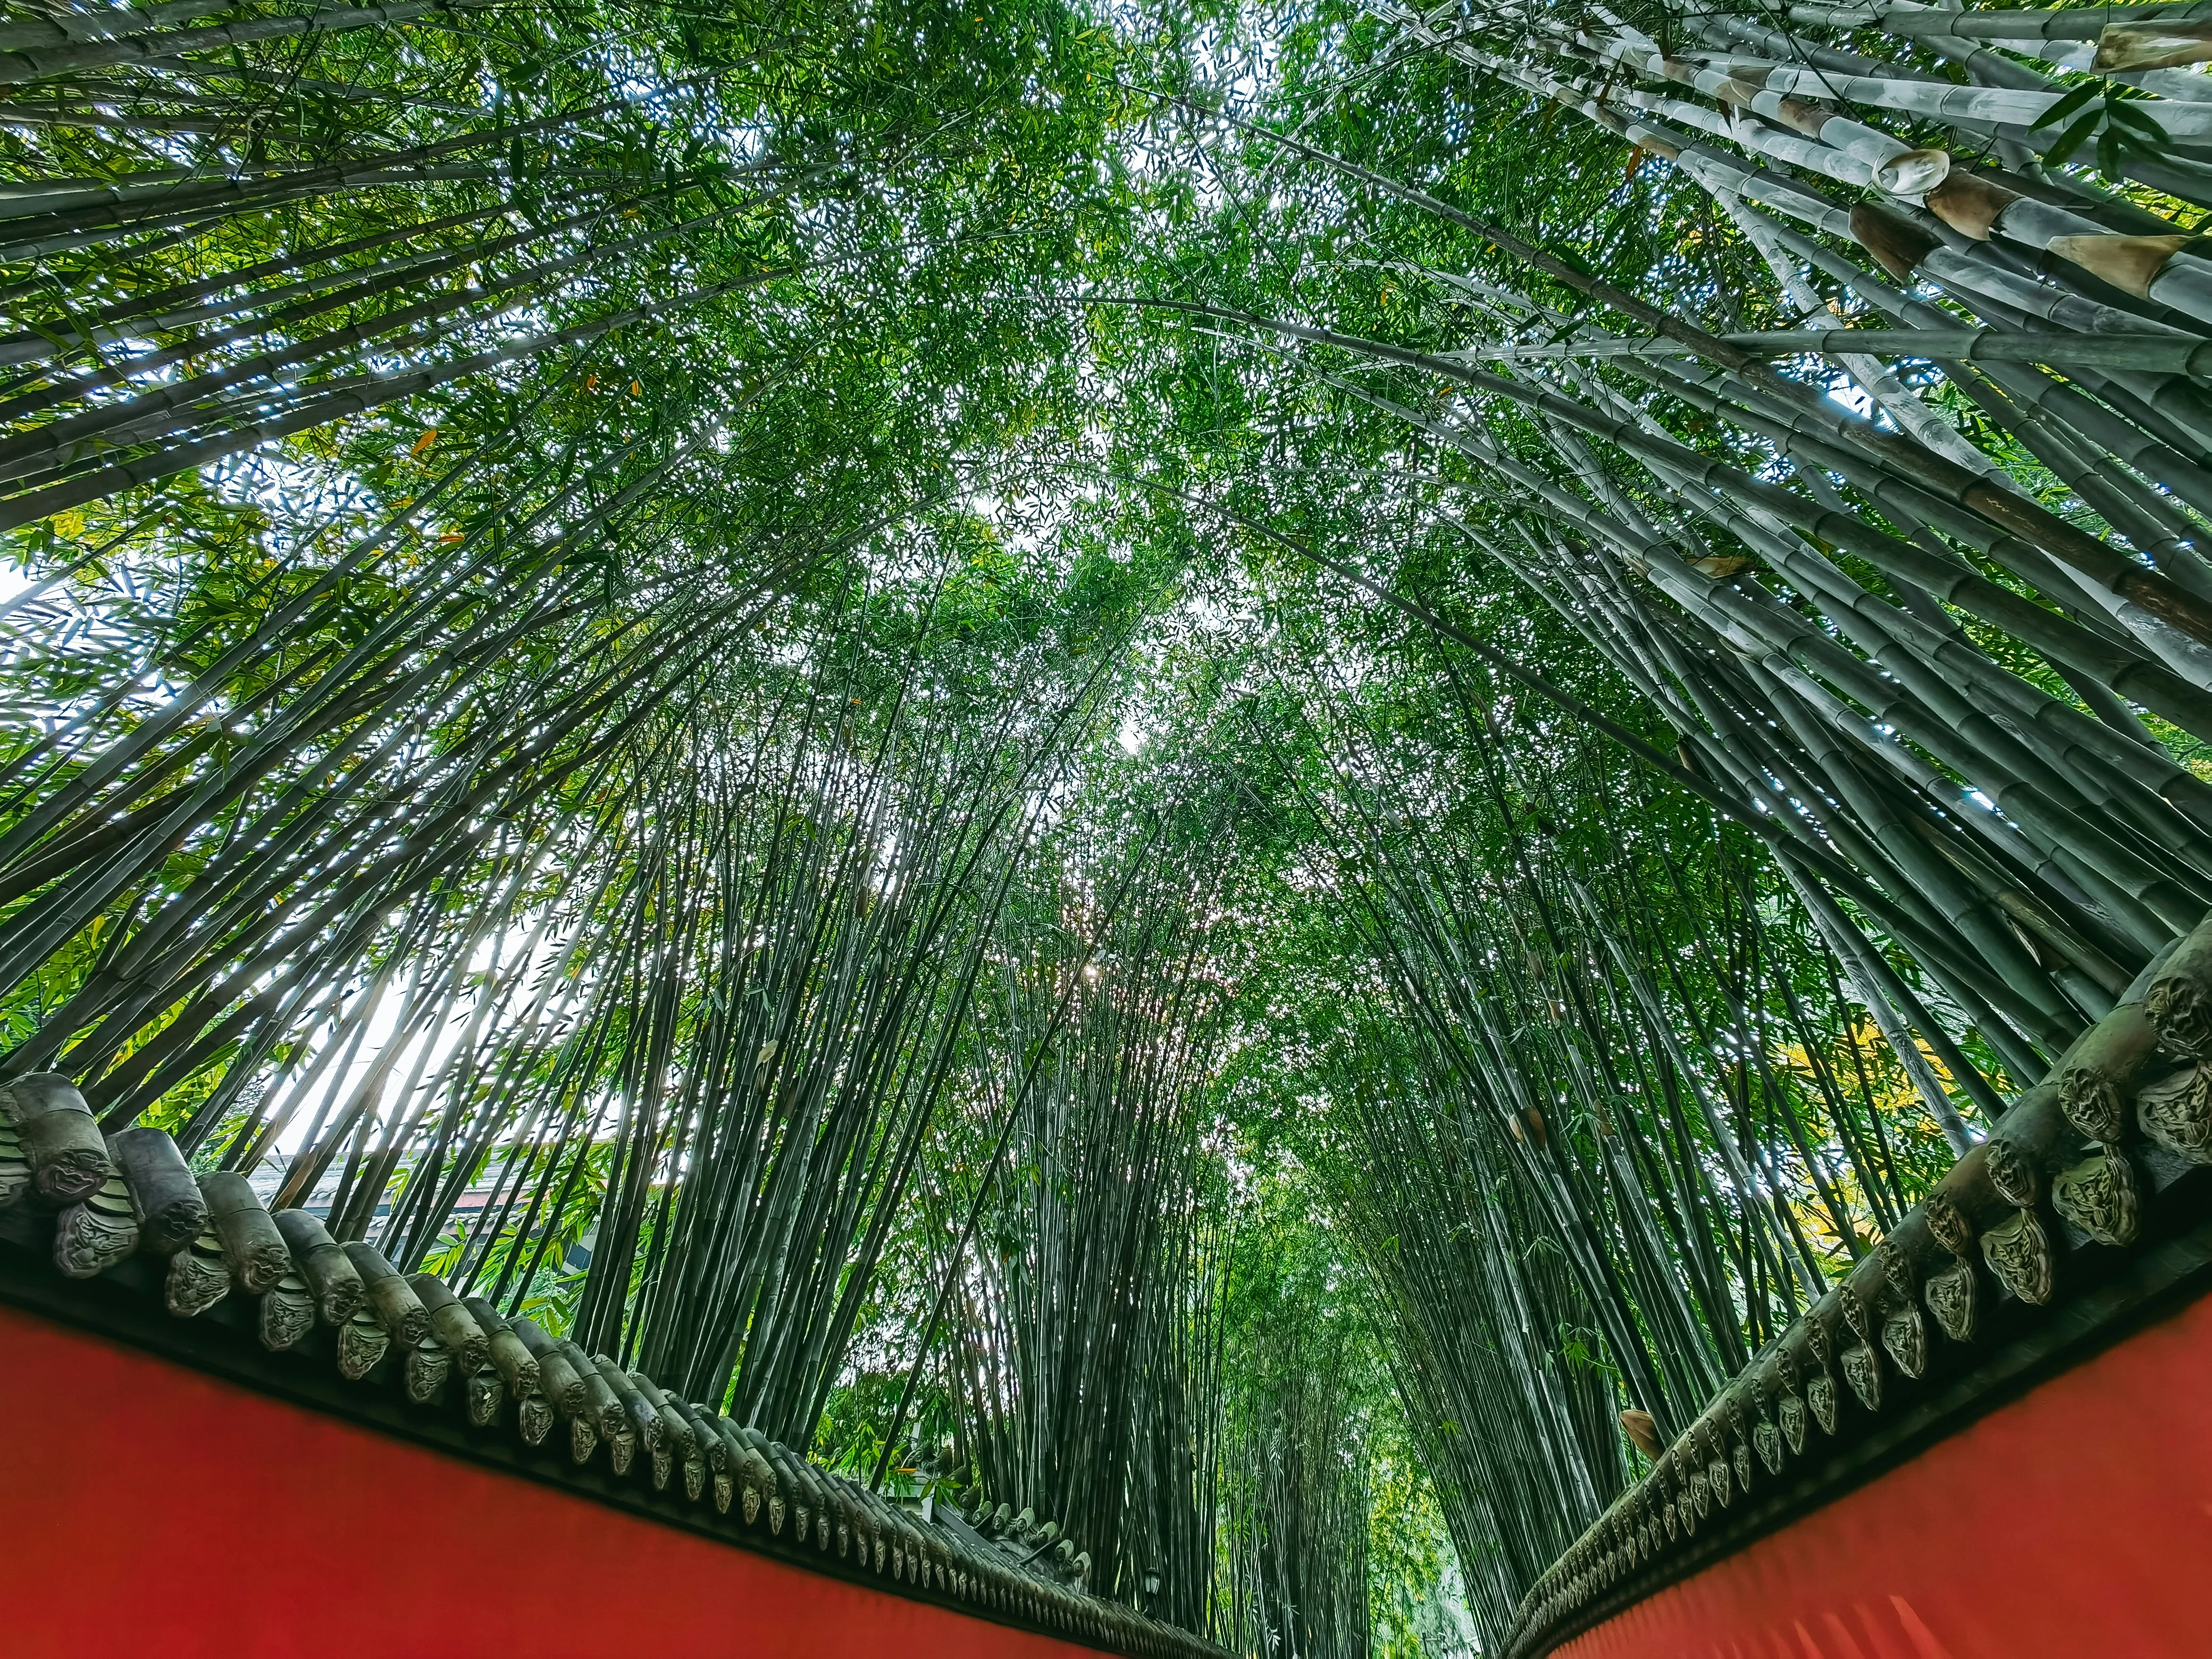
(148, 1509)
(2075, 1522)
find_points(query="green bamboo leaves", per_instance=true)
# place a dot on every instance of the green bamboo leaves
(2112, 114)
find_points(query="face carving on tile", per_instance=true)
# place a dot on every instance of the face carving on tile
(97, 1232)
(1767, 1438)
(2092, 1104)
(2019, 1253)
(1950, 1298)
(1905, 1339)
(1863, 1370)
(1790, 1417)
(2102, 1195)
(1820, 1396)
(288, 1313)
(2176, 1112)
(2012, 1175)
(1947, 1222)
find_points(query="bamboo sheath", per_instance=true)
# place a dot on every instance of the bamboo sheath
(2168, 603)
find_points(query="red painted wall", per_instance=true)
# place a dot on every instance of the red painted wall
(134, 1493)
(2075, 1522)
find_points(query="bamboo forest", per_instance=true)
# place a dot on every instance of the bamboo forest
(1248, 773)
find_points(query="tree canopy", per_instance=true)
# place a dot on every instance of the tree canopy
(1211, 768)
